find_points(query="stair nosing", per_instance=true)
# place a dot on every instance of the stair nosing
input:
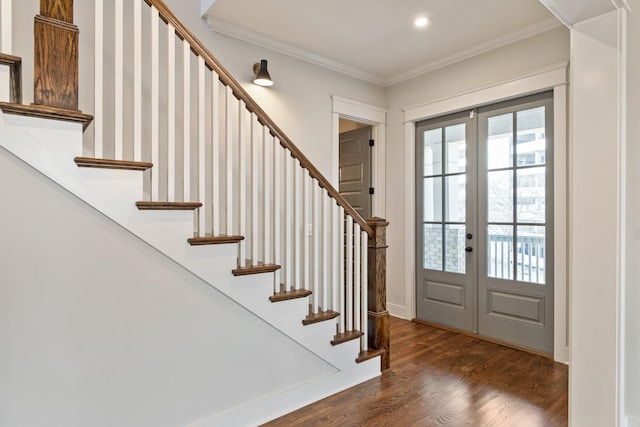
(46, 112)
(320, 317)
(369, 354)
(214, 240)
(90, 162)
(346, 337)
(255, 269)
(289, 295)
(168, 206)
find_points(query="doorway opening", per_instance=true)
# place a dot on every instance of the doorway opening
(355, 165)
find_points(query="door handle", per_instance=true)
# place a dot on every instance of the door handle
(468, 249)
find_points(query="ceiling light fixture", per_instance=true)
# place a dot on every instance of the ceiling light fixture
(421, 22)
(261, 73)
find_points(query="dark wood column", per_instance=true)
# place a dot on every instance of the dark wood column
(377, 276)
(56, 55)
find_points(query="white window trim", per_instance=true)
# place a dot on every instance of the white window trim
(553, 78)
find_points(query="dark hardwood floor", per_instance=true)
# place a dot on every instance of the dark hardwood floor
(440, 378)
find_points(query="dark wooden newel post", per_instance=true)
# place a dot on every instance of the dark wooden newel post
(56, 55)
(377, 295)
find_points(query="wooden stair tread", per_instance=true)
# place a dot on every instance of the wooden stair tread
(255, 269)
(6, 59)
(345, 337)
(90, 162)
(289, 295)
(168, 206)
(369, 354)
(45, 112)
(319, 317)
(214, 240)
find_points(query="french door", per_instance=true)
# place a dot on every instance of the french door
(484, 244)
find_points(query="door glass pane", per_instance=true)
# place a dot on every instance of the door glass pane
(531, 195)
(456, 197)
(456, 148)
(455, 256)
(432, 152)
(432, 199)
(432, 246)
(500, 141)
(531, 137)
(500, 251)
(530, 254)
(500, 196)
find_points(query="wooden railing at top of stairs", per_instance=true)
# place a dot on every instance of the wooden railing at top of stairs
(56, 48)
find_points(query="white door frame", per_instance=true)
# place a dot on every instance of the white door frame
(377, 118)
(553, 78)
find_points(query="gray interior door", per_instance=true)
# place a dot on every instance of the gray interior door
(484, 221)
(355, 169)
(446, 263)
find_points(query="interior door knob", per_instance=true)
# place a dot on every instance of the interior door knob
(468, 249)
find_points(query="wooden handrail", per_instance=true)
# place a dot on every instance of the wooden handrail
(227, 79)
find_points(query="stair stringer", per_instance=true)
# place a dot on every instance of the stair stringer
(50, 146)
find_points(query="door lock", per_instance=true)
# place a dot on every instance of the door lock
(469, 236)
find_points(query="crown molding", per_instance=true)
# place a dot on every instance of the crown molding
(505, 40)
(235, 31)
(232, 30)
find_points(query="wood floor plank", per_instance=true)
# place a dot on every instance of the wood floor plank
(441, 378)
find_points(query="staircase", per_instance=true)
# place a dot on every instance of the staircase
(178, 154)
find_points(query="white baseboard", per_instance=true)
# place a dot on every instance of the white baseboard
(400, 311)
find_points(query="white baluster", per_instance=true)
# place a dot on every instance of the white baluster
(155, 101)
(242, 159)
(216, 167)
(6, 43)
(171, 113)
(255, 152)
(326, 233)
(186, 121)
(365, 288)
(342, 303)
(298, 226)
(316, 250)
(119, 81)
(335, 257)
(349, 275)
(307, 191)
(356, 277)
(99, 75)
(267, 170)
(203, 214)
(228, 170)
(288, 222)
(137, 81)
(277, 220)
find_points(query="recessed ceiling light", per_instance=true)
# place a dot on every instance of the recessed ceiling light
(421, 22)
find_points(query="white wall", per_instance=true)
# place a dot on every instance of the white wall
(632, 341)
(595, 221)
(299, 101)
(492, 67)
(98, 328)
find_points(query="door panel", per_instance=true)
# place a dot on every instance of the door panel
(445, 275)
(355, 169)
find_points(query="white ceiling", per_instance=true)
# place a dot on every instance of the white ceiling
(375, 40)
